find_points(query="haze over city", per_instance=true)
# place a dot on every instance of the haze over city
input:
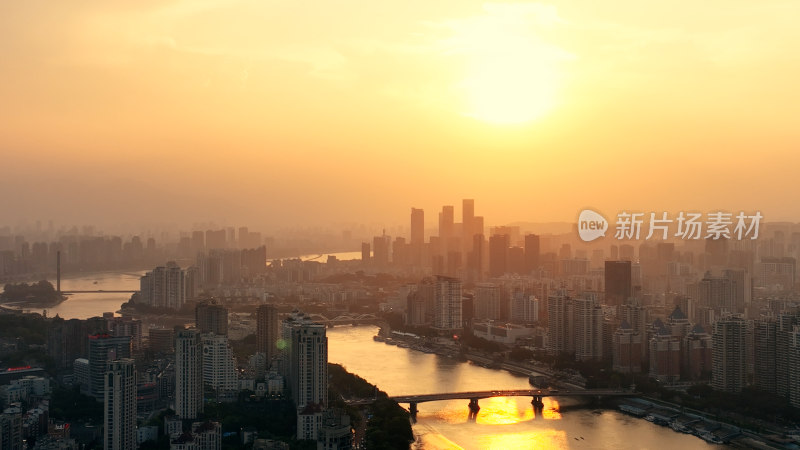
(302, 113)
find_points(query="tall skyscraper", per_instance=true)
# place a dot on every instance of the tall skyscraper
(560, 338)
(119, 403)
(446, 223)
(309, 376)
(267, 332)
(188, 374)
(467, 219)
(617, 282)
(784, 340)
(417, 226)
(588, 330)
(102, 349)
(728, 357)
(531, 252)
(447, 303)
(211, 318)
(793, 372)
(380, 250)
(765, 343)
(498, 255)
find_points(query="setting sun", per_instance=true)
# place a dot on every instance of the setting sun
(511, 74)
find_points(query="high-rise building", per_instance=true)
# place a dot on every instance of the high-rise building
(764, 346)
(219, 364)
(267, 332)
(417, 226)
(515, 262)
(380, 250)
(524, 308)
(741, 288)
(793, 372)
(211, 318)
(126, 326)
(697, 363)
(618, 285)
(487, 301)
(447, 303)
(415, 308)
(560, 336)
(588, 330)
(119, 403)
(164, 287)
(665, 354)
(531, 252)
(66, 341)
(468, 219)
(162, 340)
(365, 252)
(11, 428)
(498, 255)
(777, 273)
(308, 367)
(446, 224)
(188, 374)
(102, 349)
(728, 360)
(783, 347)
(626, 349)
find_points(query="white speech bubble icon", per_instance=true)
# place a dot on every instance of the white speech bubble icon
(591, 225)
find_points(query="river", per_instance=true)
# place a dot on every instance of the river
(502, 423)
(83, 306)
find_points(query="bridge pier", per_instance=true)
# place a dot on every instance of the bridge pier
(412, 408)
(473, 405)
(537, 402)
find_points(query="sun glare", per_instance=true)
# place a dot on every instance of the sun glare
(512, 76)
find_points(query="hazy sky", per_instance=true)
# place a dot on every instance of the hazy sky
(311, 112)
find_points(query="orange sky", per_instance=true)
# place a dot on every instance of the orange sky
(275, 113)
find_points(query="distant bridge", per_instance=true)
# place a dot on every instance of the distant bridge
(345, 319)
(474, 396)
(100, 291)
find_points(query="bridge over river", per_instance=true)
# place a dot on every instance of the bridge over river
(475, 396)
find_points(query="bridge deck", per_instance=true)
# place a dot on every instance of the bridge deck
(99, 291)
(421, 398)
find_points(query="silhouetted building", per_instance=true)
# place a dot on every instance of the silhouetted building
(104, 348)
(162, 340)
(498, 255)
(211, 318)
(617, 282)
(119, 405)
(627, 349)
(531, 252)
(417, 226)
(729, 368)
(188, 374)
(365, 252)
(267, 332)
